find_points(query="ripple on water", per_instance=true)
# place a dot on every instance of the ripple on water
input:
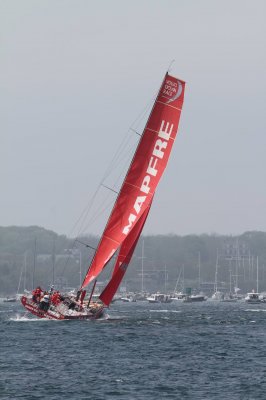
(205, 351)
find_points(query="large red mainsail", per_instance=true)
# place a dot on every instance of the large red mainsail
(144, 173)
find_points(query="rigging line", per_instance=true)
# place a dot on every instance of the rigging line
(104, 207)
(128, 149)
(122, 150)
(85, 244)
(71, 248)
(139, 117)
(91, 201)
(89, 205)
(84, 210)
(117, 154)
(123, 170)
(119, 150)
(115, 159)
(87, 209)
(81, 228)
(124, 143)
(137, 133)
(124, 161)
(144, 111)
(107, 187)
(170, 65)
(94, 217)
(67, 260)
(76, 238)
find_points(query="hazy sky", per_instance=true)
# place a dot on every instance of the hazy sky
(76, 73)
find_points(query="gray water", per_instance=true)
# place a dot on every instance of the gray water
(208, 350)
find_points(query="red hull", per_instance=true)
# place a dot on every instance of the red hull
(34, 309)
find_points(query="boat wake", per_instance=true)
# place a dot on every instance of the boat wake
(27, 318)
(111, 318)
(166, 311)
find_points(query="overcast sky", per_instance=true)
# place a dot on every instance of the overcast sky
(76, 73)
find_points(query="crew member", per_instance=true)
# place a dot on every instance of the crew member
(45, 302)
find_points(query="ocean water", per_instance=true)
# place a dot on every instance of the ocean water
(208, 350)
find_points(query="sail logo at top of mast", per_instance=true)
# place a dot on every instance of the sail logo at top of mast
(158, 153)
(173, 90)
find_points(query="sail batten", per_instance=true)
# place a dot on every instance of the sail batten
(168, 105)
(143, 176)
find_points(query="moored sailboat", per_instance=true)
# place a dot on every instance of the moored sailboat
(10, 299)
(131, 208)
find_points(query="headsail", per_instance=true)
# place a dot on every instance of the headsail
(123, 259)
(144, 173)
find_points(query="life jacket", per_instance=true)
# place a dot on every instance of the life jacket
(55, 299)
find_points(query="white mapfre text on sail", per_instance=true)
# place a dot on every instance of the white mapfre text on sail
(164, 135)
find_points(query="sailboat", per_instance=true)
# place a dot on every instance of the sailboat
(131, 207)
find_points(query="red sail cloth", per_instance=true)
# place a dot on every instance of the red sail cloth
(123, 259)
(145, 171)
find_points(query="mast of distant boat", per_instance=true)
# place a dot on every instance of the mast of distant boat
(199, 265)
(34, 264)
(216, 274)
(142, 267)
(257, 274)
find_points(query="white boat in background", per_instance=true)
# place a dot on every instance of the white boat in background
(159, 298)
(193, 298)
(128, 299)
(229, 298)
(263, 297)
(217, 296)
(178, 296)
(9, 299)
(253, 297)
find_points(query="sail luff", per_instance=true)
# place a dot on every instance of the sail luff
(144, 173)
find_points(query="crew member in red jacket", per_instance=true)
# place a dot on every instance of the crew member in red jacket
(55, 299)
(37, 294)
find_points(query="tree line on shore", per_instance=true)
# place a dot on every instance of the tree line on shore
(33, 255)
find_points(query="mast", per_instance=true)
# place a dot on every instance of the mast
(25, 270)
(86, 281)
(216, 274)
(53, 262)
(143, 175)
(20, 277)
(165, 278)
(34, 264)
(177, 281)
(79, 268)
(92, 291)
(257, 274)
(199, 265)
(142, 267)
